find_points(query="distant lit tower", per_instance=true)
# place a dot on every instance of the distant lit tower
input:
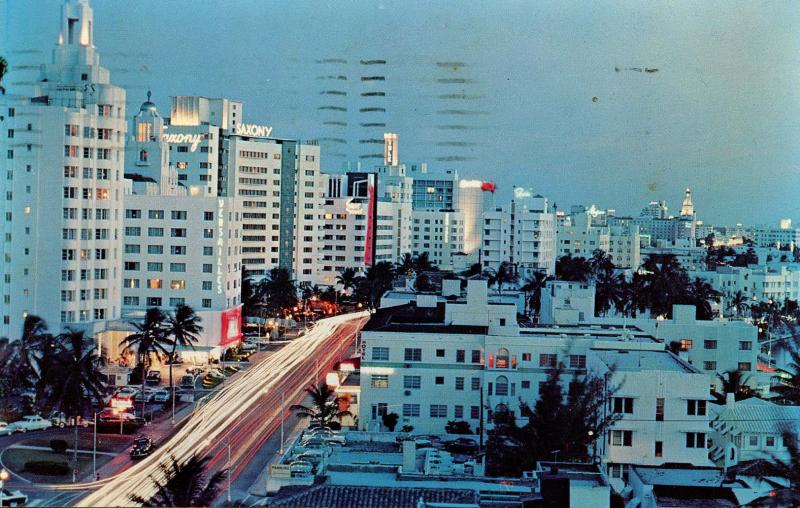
(390, 155)
(687, 208)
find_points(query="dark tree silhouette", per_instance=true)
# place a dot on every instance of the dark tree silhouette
(183, 484)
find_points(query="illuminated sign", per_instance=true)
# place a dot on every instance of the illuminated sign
(253, 131)
(354, 207)
(194, 139)
(220, 241)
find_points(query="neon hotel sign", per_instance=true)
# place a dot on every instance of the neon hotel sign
(246, 129)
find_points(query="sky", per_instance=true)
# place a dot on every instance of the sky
(548, 95)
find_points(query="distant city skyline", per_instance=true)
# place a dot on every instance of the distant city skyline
(559, 97)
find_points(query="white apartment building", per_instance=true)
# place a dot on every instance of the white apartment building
(358, 228)
(624, 246)
(466, 359)
(751, 429)
(522, 234)
(662, 403)
(440, 233)
(758, 283)
(686, 251)
(62, 161)
(181, 246)
(577, 237)
(473, 202)
(777, 236)
(396, 185)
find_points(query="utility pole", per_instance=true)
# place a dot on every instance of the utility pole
(229, 469)
(94, 447)
(283, 417)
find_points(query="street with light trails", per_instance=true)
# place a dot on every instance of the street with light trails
(244, 413)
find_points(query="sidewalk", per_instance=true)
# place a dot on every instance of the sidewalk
(270, 452)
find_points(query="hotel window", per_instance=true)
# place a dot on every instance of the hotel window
(709, 344)
(476, 383)
(155, 214)
(412, 382)
(130, 301)
(659, 410)
(745, 366)
(659, 451)
(206, 303)
(476, 356)
(178, 232)
(695, 440)
(154, 283)
(460, 356)
(526, 357)
(174, 302)
(379, 381)
(155, 231)
(206, 285)
(501, 386)
(438, 411)
(178, 215)
(621, 438)
(439, 380)
(474, 412)
(686, 344)
(153, 266)
(207, 268)
(380, 353)
(412, 355)
(177, 284)
(622, 405)
(459, 383)
(131, 265)
(696, 407)
(577, 361)
(177, 267)
(155, 249)
(178, 250)
(131, 213)
(709, 365)
(745, 345)
(208, 251)
(410, 410)
(440, 353)
(458, 412)
(153, 301)
(548, 360)
(130, 283)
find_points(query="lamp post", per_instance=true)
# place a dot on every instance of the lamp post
(229, 469)
(283, 417)
(94, 447)
(594, 447)
(4, 475)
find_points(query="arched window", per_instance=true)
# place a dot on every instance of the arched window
(501, 386)
(501, 361)
(142, 155)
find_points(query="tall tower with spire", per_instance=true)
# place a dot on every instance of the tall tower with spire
(63, 167)
(687, 208)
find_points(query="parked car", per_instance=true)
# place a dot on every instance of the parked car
(6, 429)
(161, 396)
(59, 419)
(13, 498)
(110, 422)
(142, 447)
(196, 371)
(31, 423)
(461, 445)
(187, 381)
(128, 390)
(248, 346)
(300, 468)
(325, 435)
(153, 377)
(215, 373)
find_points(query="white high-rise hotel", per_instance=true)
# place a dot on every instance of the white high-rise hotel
(62, 163)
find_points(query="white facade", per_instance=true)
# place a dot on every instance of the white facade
(440, 233)
(751, 429)
(777, 236)
(566, 302)
(472, 202)
(397, 186)
(578, 238)
(688, 254)
(624, 246)
(522, 235)
(62, 162)
(757, 283)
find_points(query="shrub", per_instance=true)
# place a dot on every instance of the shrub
(457, 427)
(334, 425)
(390, 420)
(58, 445)
(47, 467)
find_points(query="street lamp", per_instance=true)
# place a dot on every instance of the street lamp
(3, 478)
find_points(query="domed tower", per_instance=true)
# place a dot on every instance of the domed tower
(687, 208)
(147, 155)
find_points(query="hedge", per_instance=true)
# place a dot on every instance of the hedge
(47, 467)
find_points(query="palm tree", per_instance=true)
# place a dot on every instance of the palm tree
(503, 274)
(183, 484)
(377, 280)
(406, 266)
(733, 381)
(609, 291)
(150, 338)
(3, 71)
(183, 325)
(277, 291)
(701, 293)
(787, 386)
(422, 263)
(666, 283)
(78, 374)
(573, 269)
(600, 262)
(782, 493)
(347, 279)
(738, 304)
(324, 405)
(533, 286)
(634, 296)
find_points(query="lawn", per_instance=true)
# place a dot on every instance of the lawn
(105, 442)
(15, 459)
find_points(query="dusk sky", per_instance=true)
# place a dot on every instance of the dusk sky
(551, 97)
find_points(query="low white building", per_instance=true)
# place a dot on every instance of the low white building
(777, 236)
(757, 283)
(751, 429)
(567, 302)
(688, 254)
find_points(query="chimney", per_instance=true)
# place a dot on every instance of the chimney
(409, 456)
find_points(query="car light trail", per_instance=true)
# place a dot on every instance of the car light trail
(229, 408)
